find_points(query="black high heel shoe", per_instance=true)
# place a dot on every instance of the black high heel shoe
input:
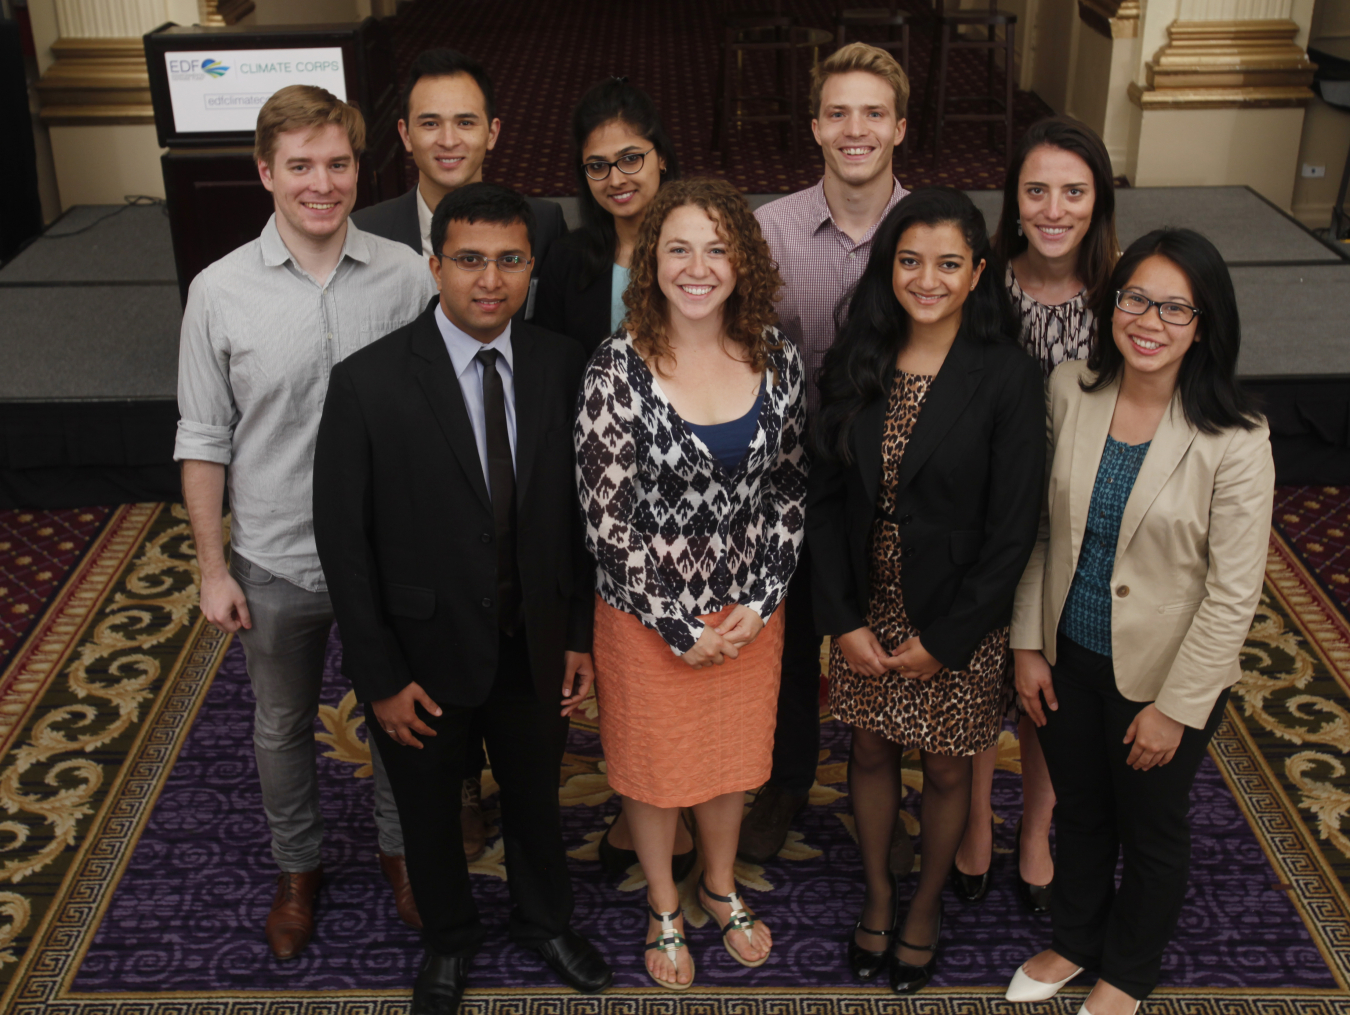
(971, 887)
(910, 979)
(1035, 897)
(867, 964)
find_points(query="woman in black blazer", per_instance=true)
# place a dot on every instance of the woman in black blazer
(922, 511)
(622, 157)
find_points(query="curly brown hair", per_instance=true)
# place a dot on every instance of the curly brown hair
(748, 316)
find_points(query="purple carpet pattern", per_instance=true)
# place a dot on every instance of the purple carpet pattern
(188, 912)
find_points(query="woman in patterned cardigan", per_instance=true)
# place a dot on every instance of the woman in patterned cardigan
(692, 478)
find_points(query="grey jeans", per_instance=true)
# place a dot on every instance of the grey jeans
(285, 654)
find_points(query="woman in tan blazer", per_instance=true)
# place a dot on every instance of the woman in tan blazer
(1131, 614)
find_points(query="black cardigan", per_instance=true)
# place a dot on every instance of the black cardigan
(562, 305)
(968, 503)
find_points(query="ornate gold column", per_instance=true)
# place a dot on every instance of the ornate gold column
(1218, 93)
(99, 75)
(95, 91)
(1218, 64)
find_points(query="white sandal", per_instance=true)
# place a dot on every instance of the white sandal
(741, 920)
(670, 941)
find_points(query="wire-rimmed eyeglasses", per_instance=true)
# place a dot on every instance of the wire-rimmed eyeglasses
(1169, 311)
(598, 169)
(477, 262)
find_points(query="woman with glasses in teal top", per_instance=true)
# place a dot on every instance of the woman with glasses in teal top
(622, 157)
(1131, 614)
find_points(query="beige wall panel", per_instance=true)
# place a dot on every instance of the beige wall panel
(1054, 43)
(101, 165)
(1218, 147)
(1325, 142)
(1092, 79)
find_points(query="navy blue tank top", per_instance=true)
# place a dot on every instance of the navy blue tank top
(729, 441)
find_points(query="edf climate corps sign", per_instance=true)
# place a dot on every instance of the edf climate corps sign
(223, 91)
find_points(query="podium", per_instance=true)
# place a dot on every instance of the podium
(207, 85)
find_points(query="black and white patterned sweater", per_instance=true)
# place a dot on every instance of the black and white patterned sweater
(675, 536)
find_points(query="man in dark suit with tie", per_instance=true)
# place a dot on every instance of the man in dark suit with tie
(447, 523)
(449, 125)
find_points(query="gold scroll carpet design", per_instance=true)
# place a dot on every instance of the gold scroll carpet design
(109, 682)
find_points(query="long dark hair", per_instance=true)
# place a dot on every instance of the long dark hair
(1097, 253)
(612, 99)
(872, 327)
(1211, 397)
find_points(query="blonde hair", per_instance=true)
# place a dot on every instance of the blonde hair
(861, 56)
(297, 106)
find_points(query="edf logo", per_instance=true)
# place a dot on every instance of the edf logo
(207, 65)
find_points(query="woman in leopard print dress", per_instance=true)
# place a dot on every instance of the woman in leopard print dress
(922, 509)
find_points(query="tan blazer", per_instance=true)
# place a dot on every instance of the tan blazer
(1190, 560)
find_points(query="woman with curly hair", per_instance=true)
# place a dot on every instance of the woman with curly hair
(692, 477)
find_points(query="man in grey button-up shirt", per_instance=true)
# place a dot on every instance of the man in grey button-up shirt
(263, 327)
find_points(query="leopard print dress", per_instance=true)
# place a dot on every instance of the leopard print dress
(954, 713)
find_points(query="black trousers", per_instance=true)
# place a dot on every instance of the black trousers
(796, 738)
(525, 738)
(1104, 807)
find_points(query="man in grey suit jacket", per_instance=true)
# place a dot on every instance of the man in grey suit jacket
(449, 125)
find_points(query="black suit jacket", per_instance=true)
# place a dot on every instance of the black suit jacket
(396, 219)
(405, 528)
(968, 504)
(562, 305)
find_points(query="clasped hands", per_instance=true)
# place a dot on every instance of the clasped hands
(1154, 736)
(864, 654)
(716, 644)
(397, 714)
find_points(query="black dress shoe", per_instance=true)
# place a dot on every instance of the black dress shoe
(910, 979)
(440, 984)
(969, 887)
(866, 964)
(575, 959)
(1035, 897)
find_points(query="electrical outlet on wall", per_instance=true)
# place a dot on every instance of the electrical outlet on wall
(1312, 172)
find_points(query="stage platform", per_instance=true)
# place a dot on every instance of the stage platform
(89, 320)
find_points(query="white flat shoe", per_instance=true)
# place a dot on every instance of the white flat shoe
(1024, 988)
(1083, 1009)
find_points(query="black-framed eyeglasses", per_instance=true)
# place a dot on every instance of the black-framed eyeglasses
(1169, 311)
(598, 169)
(477, 262)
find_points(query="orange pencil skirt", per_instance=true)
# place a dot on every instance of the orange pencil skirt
(674, 736)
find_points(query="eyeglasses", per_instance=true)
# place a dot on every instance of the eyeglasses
(477, 262)
(598, 169)
(1169, 312)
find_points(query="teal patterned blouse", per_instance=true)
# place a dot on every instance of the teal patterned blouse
(1087, 613)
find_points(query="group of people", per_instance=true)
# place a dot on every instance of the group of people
(664, 455)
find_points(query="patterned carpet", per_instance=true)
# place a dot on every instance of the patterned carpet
(544, 55)
(139, 875)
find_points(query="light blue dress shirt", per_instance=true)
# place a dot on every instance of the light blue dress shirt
(617, 284)
(463, 348)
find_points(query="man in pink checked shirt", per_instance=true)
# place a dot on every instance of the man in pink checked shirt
(821, 238)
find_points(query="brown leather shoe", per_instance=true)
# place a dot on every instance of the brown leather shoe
(471, 820)
(396, 873)
(290, 924)
(764, 829)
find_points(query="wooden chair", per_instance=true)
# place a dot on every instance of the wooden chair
(744, 34)
(948, 25)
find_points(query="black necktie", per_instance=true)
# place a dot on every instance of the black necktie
(502, 478)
